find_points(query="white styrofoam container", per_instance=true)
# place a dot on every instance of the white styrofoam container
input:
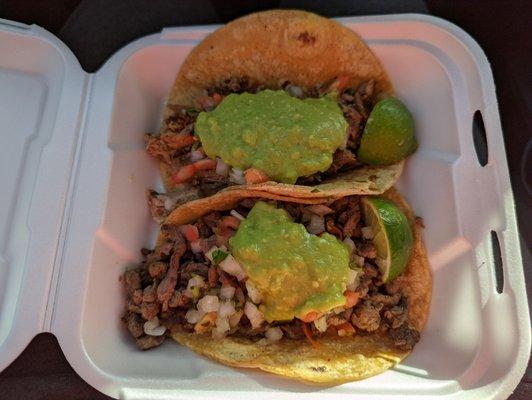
(73, 173)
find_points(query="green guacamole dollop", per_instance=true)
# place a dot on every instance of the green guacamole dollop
(283, 136)
(295, 272)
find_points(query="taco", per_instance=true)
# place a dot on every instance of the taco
(324, 293)
(287, 102)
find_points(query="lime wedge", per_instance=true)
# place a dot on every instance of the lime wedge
(392, 235)
(388, 136)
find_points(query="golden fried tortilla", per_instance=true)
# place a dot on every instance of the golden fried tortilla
(271, 47)
(335, 360)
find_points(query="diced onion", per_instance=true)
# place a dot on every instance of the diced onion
(237, 176)
(344, 332)
(153, 328)
(367, 232)
(274, 334)
(338, 310)
(321, 324)
(222, 323)
(236, 214)
(222, 326)
(232, 267)
(226, 309)
(169, 203)
(253, 292)
(209, 252)
(208, 303)
(197, 155)
(222, 168)
(217, 333)
(196, 246)
(357, 260)
(254, 315)
(349, 242)
(235, 318)
(208, 103)
(195, 281)
(193, 316)
(352, 279)
(227, 292)
(316, 225)
(294, 90)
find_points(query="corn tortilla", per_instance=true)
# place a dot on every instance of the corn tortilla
(273, 46)
(335, 360)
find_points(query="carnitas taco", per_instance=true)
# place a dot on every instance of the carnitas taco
(287, 102)
(325, 292)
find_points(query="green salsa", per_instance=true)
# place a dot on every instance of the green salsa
(295, 272)
(283, 136)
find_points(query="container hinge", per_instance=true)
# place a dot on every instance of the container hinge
(65, 219)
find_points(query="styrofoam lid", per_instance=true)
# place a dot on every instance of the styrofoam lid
(41, 89)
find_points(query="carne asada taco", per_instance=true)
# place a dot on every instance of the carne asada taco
(324, 293)
(285, 101)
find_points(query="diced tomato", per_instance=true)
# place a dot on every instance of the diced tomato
(351, 298)
(230, 222)
(190, 231)
(345, 329)
(343, 81)
(308, 334)
(204, 164)
(339, 84)
(253, 175)
(217, 97)
(184, 174)
(223, 233)
(311, 316)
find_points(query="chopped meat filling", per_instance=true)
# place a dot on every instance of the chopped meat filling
(405, 337)
(161, 204)
(181, 285)
(146, 342)
(177, 146)
(366, 316)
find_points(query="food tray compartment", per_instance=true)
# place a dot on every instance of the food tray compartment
(444, 78)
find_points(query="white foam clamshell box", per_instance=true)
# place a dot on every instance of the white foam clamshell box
(73, 176)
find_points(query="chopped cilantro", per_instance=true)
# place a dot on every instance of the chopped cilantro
(219, 255)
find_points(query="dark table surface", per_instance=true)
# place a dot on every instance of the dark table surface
(95, 29)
